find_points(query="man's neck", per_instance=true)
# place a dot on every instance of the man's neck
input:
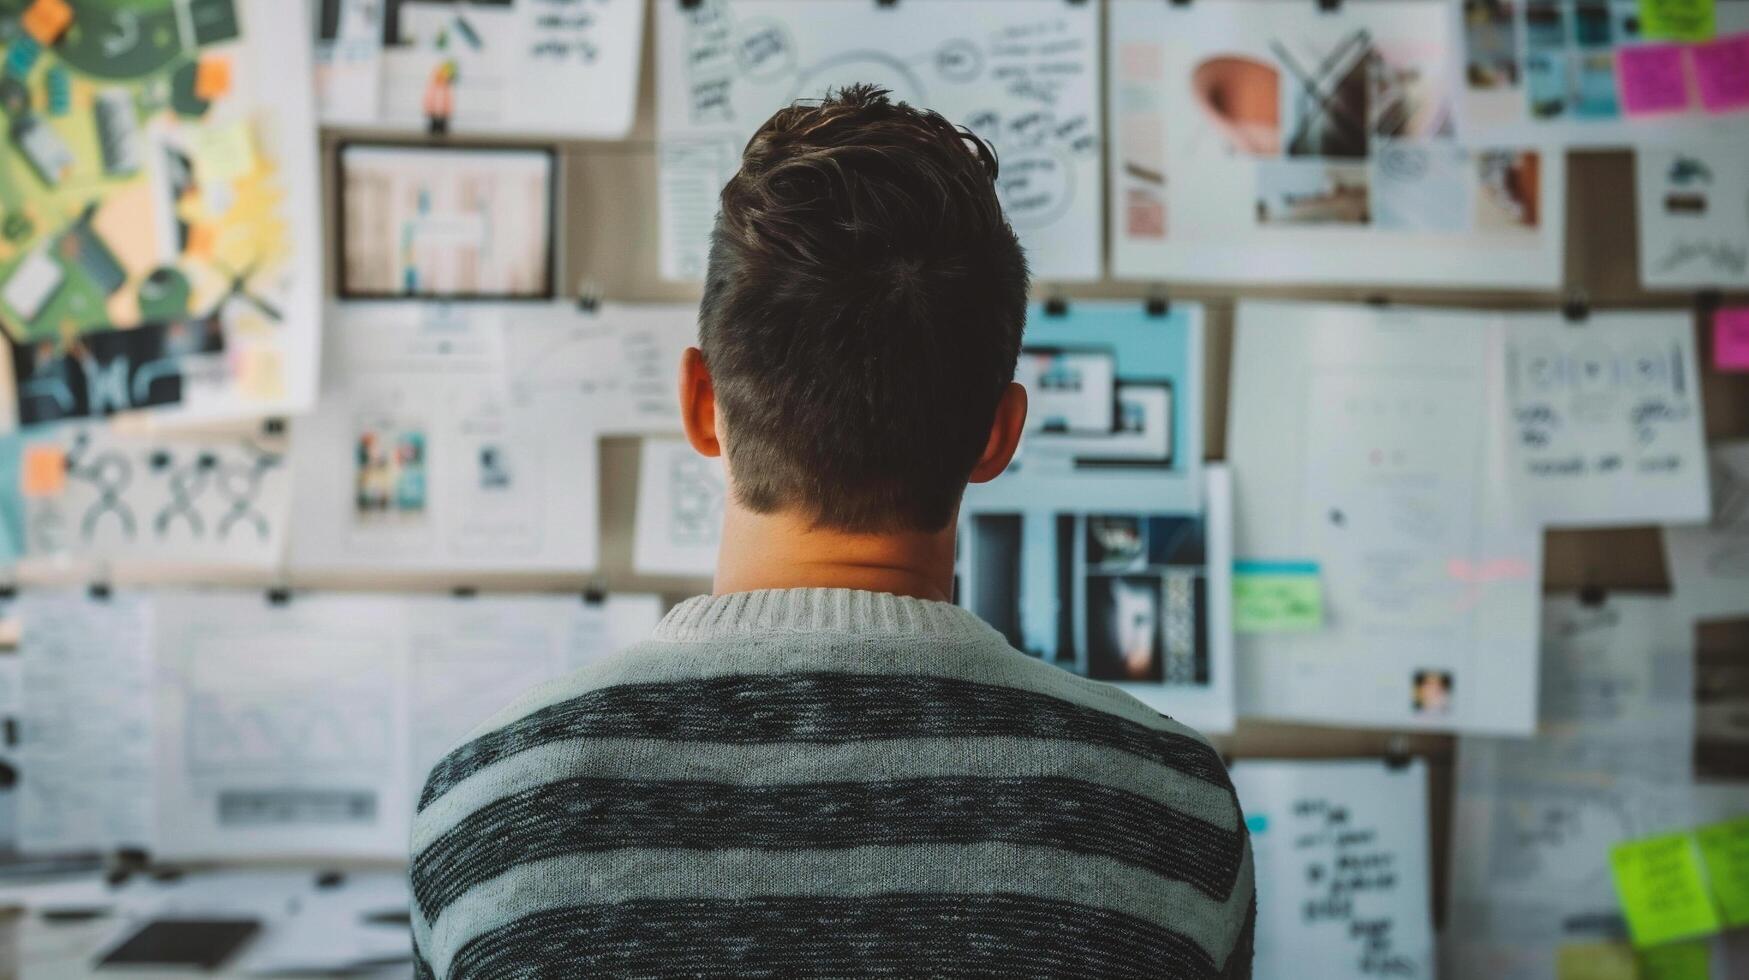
(784, 551)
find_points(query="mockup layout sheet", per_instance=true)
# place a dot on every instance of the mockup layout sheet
(1370, 442)
(1285, 143)
(1141, 599)
(616, 365)
(1606, 419)
(1590, 74)
(1022, 74)
(680, 510)
(1343, 847)
(1694, 215)
(424, 454)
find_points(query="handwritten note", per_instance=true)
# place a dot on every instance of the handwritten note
(1277, 597)
(1653, 79)
(1678, 961)
(224, 152)
(1721, 72)
(1731, 339)
(1663, 889)
(1677, 20)
(1724, 849)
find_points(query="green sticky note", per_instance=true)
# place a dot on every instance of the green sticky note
(1677, 20)
(1277, 597)
(1724, 849)
(1663, 889)
(1677, 961)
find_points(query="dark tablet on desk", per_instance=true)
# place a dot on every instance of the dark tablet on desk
(202, 943)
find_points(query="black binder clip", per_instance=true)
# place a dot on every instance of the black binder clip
(1576, 309)
(1708, 301)
(689, 4)
(1056, 306)
(1329, 6)
(594, 596)
(464, 592)
(886, 4)
(1397, 757)
(1378, 301)
(1179, 3)
(8, 592)
(273, 427)
(330, 879)
(98, 591)
(1592, 596)
(279, 596)
(1157, 306)
(588, 298)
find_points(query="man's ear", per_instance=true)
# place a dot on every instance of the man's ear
(698, 404)
(1005, 432)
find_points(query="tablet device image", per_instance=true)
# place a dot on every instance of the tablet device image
(202, 943)
(450, 222)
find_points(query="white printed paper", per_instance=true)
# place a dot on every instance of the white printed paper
(1022, 74)
(680, 510)
(551, 67)
(1606, 419)
(1343, 846)
(617, 366)
(218, 499)
(1583, 75)
(1693, 215)
(1278, 143)
(86, 722)
(1709, 565)
(1534, 818)
(348, 60)
(281, 728)
(424, 455)
(1368, 441)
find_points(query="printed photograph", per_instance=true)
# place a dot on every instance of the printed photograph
(390, 472)
(1491, 40)
(1069, 389)
(1431, 691)
(1312, 192)
(1721, 700)
(1509, 189)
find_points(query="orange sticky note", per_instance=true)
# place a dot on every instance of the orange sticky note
(47, 20)
(44, 471)
(203, 237)
(212, 78)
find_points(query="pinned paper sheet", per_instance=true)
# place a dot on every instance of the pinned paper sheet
(1677, 20)
(1731, 339)
(1596, 961)
(1721, 72)
(224, 153)
(1724, 849)
(1277, 597)
(1653, 79)
(1663, 889)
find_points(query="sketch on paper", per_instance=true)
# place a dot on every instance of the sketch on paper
(1693, 215)
(1022, 74)
(695, 516)
(94, 493)
(1315, 146)
(1709, 563)
(680, 510)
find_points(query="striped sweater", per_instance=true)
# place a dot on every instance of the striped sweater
(829, 783)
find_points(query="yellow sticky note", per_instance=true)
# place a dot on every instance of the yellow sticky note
(223, 153)
(1663, 889)
(1677, 20)
(44, 471)
(1596, 961)
(1724, 849)
(1677, 961)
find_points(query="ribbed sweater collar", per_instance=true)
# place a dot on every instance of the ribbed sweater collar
(796, 611)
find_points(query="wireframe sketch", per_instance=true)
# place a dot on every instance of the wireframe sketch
(695, 517)
(1022, 74)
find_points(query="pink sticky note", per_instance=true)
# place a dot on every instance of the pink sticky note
(1721, 72)
(1652, 78)
(1731, 338)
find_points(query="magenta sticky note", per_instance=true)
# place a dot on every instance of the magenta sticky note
(1721, 72)
(1731, 338)
(1652, 78)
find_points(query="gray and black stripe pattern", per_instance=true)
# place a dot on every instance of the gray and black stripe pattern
(830, 783)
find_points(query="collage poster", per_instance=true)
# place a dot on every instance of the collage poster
(158, 212)
(1290, 144)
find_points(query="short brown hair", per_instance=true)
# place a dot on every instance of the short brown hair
(862, 312)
